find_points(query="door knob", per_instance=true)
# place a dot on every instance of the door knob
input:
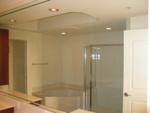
(126, 94)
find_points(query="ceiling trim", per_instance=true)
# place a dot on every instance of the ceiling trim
(23, 7)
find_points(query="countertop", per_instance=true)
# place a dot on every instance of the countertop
(4, 105)
(20, 96)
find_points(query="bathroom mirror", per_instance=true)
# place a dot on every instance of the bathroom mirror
(48, 41)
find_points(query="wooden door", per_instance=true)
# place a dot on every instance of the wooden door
(135, 71)
(3, 57)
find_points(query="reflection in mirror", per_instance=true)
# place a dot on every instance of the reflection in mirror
(47, 57)
(22, 97)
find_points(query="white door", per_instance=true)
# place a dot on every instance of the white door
(135, 71)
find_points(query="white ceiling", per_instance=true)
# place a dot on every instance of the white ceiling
(109, 13)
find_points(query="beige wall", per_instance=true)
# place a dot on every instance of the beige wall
(52, 54)
(137, 22)
(109, 38)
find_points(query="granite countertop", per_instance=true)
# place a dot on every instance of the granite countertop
(4, 105)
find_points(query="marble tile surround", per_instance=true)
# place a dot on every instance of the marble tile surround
(50, 86)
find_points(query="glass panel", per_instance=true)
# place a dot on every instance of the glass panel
(107, 79)
(87, 78)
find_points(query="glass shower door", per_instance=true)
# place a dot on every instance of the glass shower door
(106, 79)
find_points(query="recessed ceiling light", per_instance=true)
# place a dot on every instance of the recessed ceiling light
(12, 20)
(63, 33)
(108, 28)
(53, 9)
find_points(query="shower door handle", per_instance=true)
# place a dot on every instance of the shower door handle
(126, 94)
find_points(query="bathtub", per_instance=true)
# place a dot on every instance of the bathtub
(65, 99)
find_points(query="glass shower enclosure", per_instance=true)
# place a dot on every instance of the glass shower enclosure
(104, 78)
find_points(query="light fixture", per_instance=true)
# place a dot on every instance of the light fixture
(63, 33)
(53, 9)
(108, 28)
(12, 20)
